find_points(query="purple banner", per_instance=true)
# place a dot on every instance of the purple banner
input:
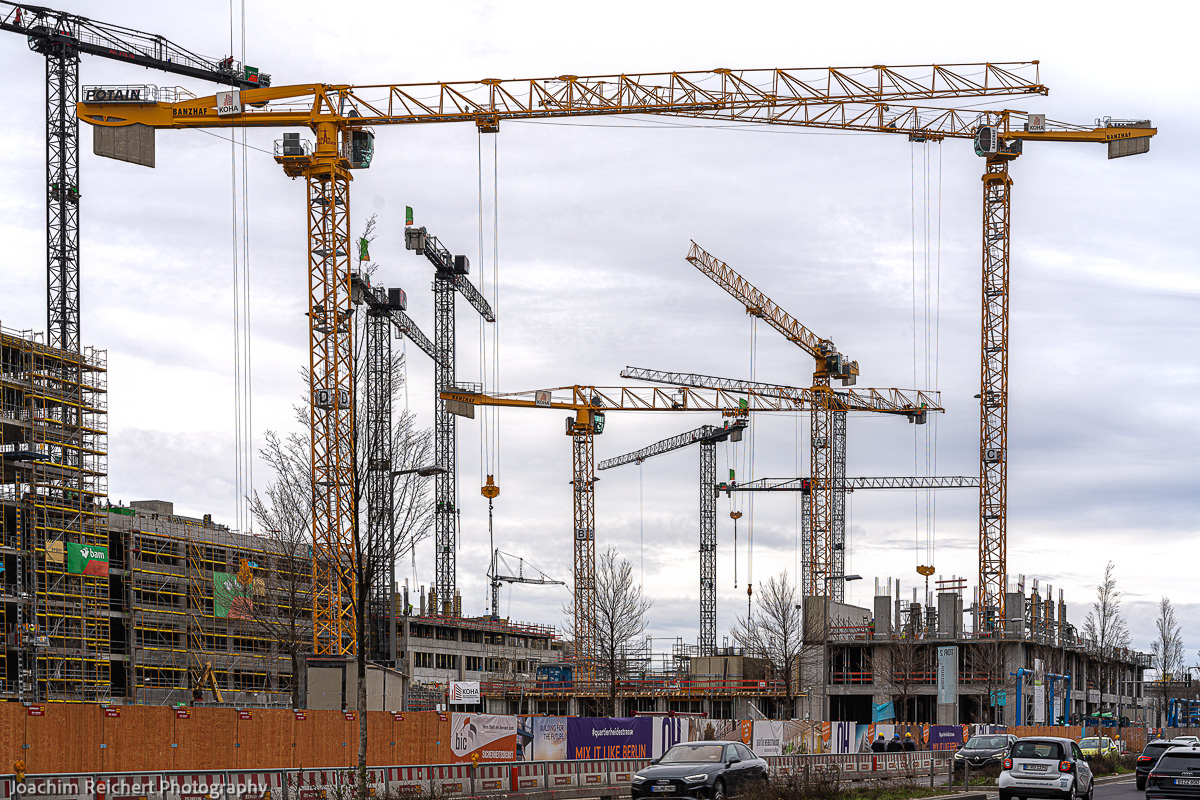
(609, 737)
(945, 737)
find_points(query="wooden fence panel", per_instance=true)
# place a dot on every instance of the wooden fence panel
(64, 738)
(205, 739)
(265, 739)
(380, 735)
(12, 731)
(138, 738)
(319, 738)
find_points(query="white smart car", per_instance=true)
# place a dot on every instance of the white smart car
(1046, 766)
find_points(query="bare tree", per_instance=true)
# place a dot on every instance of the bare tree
(619, 617)
(774, 632)
(901, 664)
(987, 662)
(282, 612)
(1105, 628)
(1167, 651)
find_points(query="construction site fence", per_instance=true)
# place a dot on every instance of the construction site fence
(440, 780)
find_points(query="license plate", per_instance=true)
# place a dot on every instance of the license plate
(667, 789)
(1187, 781)
(1037, 767)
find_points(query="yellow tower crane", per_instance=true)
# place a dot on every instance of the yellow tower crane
(589, 405)
(341, 117)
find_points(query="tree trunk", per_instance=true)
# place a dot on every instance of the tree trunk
(299, 680)
(362, 692)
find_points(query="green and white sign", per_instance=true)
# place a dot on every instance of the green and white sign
(87, 559)
(947, 675)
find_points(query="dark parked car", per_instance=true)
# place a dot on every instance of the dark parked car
(1176, 775)
(984, 749)
(712, 770)
(1149, 758)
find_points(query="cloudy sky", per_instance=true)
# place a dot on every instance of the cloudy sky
(857, 236)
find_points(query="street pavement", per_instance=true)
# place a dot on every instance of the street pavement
(1120, 788)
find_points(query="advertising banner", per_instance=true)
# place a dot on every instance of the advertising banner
(231, 600)
(947, 675)
(610, 737)
(840, 737)
(548, 739)
(1039, 692)
(87, 559)
(668, 732)
(945, 737)
(492, 736)
(464, 693)
(767, 738)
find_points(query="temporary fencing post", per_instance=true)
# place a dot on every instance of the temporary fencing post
(931, 769)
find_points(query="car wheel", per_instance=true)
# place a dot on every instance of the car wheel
(1072, 794)
(718, 791)
(1141, 783)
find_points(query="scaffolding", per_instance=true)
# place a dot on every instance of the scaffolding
(53, 444)
(203, 600)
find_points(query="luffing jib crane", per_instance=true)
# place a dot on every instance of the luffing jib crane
(707, 436)
(827, 501)
(341, 117)
(497, 576)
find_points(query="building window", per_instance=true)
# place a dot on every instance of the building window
(423, 660)
(474, 663)
(447, 661)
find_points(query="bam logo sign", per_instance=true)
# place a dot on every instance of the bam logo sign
(229, 103)
(85, 559)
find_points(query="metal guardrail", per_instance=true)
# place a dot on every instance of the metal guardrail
(441, 780)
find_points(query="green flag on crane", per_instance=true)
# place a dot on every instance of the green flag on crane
(408, 215)
(363, 255)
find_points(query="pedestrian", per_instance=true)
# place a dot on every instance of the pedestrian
(910, 744)
(879, 745)
(895, 746)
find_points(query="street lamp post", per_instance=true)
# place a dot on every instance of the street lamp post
(426, 471)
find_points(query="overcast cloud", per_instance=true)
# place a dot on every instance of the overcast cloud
(594, 221)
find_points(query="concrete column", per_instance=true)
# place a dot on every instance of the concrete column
(883, 616)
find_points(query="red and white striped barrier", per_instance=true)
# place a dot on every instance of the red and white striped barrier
(491, 778)
(408, 780)
(194, 785)
(449, 779)
(621, 772)
(560, 774)
(256, 785)
(592, 773)
(528, 776)
(129, 786)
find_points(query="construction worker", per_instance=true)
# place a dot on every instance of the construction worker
(879, 745)
(895, 746)
(910, 744)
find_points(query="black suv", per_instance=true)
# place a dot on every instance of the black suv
(1176, 775)
(1149, 758)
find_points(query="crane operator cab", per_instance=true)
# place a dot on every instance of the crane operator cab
(358, 144)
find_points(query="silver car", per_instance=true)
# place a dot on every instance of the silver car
(1046, 766)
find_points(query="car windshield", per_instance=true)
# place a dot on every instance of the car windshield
(1034, 749)
(987, 743)
(1091, 741)
(693, 754)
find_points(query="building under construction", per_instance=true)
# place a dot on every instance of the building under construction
(53, 480)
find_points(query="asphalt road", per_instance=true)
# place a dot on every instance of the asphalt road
(1122, 788)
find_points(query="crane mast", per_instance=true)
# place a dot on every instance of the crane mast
(449, 276)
